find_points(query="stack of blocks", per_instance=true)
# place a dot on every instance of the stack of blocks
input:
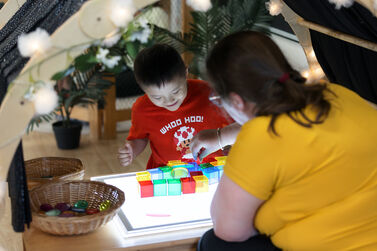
(178, 178)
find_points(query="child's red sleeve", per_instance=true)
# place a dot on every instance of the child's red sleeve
(137, 131)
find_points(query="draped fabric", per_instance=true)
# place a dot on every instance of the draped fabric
(48, 15)
(344, 63)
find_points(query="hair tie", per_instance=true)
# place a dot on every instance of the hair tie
(283, 78)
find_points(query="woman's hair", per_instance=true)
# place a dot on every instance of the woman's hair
(157, 65)
(251, 64)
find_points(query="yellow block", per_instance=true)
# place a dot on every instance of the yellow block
(143, 176)
(221, 160)
(176, 163)
(201, 184)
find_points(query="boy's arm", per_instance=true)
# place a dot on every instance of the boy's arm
(131, 150)
(211, 140)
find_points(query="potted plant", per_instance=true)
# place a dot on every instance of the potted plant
(224, 18)
(67, 131)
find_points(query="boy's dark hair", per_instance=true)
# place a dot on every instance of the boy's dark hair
(250, 64)
(157, 65)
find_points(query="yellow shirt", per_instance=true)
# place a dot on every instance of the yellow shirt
(319, 183)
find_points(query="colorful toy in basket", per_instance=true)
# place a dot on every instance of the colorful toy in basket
(178, 178)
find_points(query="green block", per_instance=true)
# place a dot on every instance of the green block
(179, 172)
(174, 187)
(166, 172)
(205, 165)
(159, 187)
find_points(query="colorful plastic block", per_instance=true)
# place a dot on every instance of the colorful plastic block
(166, 172)
(174, 187)
(156, 173)
(143, 176)
(179, 172)
(192, 166)
(160, 187)
(212, 173)
(188, 185)
(146, 188)
(221, 160)
(221, 170)
(201, 184)
(176, 163)
(196, 173)
(205, 165)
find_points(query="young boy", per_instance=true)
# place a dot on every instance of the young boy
(172, 110)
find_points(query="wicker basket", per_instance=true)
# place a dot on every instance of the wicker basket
(59, 168)
(70, 192)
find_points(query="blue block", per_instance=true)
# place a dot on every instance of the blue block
(212, 173)
(156, 173)
(221, 170)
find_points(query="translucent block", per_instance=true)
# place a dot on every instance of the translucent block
(192, 166)
(174, 187)
(184, 165)
(160, 187)
(196, 173)
(221, 171)
(166, 172)
(205, 165)
(212, 173)
(188, 185)
(156, 173)
(221, 160)
(214, 163)
(146, 188)
(179, 172)
(201, 184)
(143, 176)
(176, 163)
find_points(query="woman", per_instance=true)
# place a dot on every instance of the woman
(303, 168)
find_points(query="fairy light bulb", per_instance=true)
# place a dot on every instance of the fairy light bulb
(121, 12)
(274, 7)
(305, 74)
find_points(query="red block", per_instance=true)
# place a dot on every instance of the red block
(146, 188)
(188, 185)
(196, 173)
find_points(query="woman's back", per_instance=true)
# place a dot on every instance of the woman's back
(320, 183)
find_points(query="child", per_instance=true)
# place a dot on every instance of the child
(171, 112)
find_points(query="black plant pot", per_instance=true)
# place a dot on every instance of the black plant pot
(67, 137)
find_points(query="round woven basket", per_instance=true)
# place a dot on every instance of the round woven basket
(57, 168)
(93, 192)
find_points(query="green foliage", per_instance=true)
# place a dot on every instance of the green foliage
(79, 93)
(209, 27)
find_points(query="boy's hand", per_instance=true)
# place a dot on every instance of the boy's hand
(204, 143)
(126, 154)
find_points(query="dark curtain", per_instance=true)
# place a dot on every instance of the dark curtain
(49, 15)
(344, 63)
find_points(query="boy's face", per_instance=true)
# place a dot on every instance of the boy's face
(169, 96)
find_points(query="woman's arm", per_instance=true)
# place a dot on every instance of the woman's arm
(233, 211)
(210, 140)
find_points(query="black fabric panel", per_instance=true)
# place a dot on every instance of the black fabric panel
(344, 63)
(21, 213)
(347, 64)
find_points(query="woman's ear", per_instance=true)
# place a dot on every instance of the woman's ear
(237, 101)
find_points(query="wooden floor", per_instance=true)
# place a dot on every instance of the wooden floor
(99, 158)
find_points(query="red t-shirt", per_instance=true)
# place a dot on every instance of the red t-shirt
(170, 132)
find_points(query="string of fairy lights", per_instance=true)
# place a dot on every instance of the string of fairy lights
(121, 13)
